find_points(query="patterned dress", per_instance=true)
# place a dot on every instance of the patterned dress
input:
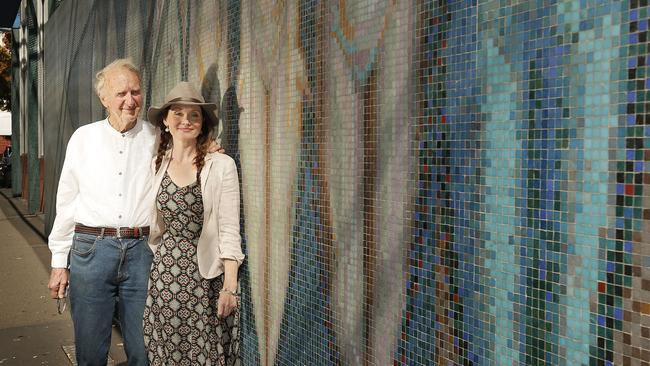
(181, 326)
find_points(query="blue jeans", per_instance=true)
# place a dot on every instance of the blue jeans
(103, 270)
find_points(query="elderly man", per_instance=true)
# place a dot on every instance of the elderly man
(99, 238)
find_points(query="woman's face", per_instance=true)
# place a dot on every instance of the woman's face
(184, 122)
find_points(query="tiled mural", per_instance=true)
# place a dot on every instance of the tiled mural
(424, 182)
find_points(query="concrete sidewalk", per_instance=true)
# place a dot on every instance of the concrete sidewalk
(31, 330)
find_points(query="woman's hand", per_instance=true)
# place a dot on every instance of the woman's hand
(227, 296)
(226, 304)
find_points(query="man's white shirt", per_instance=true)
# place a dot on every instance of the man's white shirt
(105, 182)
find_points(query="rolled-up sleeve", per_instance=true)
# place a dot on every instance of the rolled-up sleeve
(60, 239)
(229, 230)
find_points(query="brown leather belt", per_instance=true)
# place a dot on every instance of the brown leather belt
(121, 232)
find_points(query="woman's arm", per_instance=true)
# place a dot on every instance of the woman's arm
(230, 275)
(228, 211)
(228, 295)
(230, 248)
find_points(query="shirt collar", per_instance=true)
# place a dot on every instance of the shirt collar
(131, 132)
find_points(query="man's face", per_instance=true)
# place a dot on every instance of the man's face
(121, 96)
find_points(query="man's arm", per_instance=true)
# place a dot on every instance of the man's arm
(60, 239)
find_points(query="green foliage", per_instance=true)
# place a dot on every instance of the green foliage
(5, 73)
(6, 40)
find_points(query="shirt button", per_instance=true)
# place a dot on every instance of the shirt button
(119, 195)
(120, 151)
(119, 217)
(123, 135)
(120, 173)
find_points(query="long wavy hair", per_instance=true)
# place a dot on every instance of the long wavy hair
(202, 143)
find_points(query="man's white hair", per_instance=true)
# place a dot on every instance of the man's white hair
(100, 77)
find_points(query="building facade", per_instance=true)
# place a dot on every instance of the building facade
(423, 182)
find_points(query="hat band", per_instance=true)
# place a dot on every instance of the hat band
(185, 99)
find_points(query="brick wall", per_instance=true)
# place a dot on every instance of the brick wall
(4, 142)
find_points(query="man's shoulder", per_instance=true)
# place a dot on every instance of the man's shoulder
(148, 126)
(92, 125)
(100, 126)
(148, 129)
(87, 129)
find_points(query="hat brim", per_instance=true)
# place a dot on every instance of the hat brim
(155, 115)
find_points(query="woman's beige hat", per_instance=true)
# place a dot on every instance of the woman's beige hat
(183, 93)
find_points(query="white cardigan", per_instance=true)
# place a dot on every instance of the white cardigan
(220, 238)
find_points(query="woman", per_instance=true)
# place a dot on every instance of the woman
(191, 315)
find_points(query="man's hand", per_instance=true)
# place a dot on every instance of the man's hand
(216, 147)
(58, 282)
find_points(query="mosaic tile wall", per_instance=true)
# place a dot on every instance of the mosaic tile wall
(424, 182)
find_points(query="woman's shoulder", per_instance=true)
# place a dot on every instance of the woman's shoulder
(218, 157)
(220, 161)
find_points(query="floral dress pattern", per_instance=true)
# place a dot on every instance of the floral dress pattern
(181, 326)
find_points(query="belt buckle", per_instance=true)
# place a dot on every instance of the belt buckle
(118, 232)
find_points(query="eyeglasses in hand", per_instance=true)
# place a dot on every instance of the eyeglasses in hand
(62, 302)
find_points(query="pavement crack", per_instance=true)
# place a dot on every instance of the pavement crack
(9, 218)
